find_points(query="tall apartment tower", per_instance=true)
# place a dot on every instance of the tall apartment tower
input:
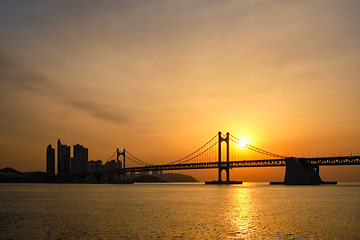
(50, 161)
(63, 159)
(81, 157)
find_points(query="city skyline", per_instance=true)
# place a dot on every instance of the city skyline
(76, 164)
(160, 78)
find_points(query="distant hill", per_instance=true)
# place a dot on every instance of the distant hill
(10, 175)
(177, 177)
(9, 170)
(168, 177)
(147, 178)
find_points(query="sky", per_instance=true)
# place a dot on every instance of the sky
(160, 78)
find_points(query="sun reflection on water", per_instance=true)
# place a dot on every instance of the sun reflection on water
(241, 215)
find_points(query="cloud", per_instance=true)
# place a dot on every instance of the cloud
(99, 111)
(22, 79)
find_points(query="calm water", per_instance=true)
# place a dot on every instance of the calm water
(172, 211)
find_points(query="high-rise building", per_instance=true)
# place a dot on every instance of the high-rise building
(50, 161)
(110, 165)
(92, 166)
(98, 165)
(78, 162)
(63, 159)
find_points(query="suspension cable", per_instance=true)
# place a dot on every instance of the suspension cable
(135, 159)
(177, 161)
(112, 156)
(187, 160)
(255, 149)
(202, 150)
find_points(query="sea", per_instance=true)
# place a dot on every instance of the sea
(179, 211)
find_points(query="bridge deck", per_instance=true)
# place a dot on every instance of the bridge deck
(324, 161)
(349, 160)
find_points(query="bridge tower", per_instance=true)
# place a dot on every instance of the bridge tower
(224, 165)
(118, 153)
(220, 166)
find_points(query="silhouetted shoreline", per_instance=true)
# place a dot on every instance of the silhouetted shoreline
(11, 175)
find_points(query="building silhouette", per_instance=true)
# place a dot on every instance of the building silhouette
(93, 166)
(110, 165)
(63, 159)
(79, 159)
(50, 161)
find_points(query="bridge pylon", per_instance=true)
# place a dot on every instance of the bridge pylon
(118, 154)
(221, 165)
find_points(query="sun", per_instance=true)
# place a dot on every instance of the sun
(243, 143)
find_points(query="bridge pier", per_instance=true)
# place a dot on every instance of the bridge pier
(300, 171)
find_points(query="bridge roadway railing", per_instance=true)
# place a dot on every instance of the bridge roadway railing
(322, 161)
(250, 163)
(346, 160)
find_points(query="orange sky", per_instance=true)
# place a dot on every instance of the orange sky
(160, 78)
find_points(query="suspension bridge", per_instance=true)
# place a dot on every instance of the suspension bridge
(224, 152)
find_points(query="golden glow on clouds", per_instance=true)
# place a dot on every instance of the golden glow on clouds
(151, 75)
